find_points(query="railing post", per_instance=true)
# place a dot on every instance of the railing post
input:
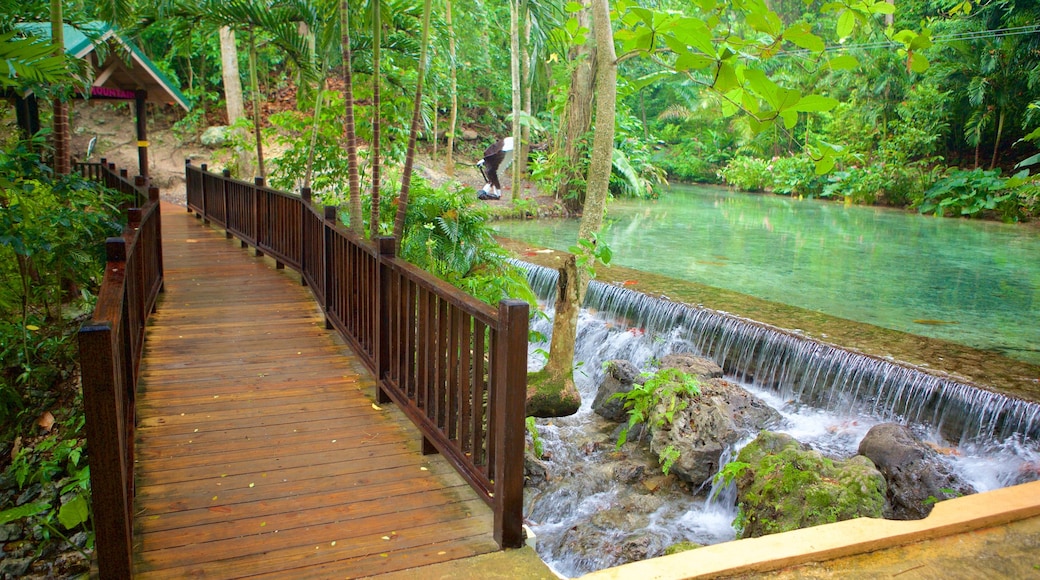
(508, 393)
(330, 223)
(153, 196)
(384, 296)
(187, 182)
(224, 201)
(258, 182)
(140, 182)
(305, 197)
(205, 205)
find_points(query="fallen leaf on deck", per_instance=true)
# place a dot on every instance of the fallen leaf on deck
(376, 407)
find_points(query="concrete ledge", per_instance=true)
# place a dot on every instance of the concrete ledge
(838, 540)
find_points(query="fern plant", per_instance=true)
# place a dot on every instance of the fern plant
(656, 402)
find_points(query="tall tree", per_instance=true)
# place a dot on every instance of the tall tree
(409, 159)
(62, 153)
(230, 74)
(377, 30)
(577, 115)
(555, 388)
(514, 69)
(453, 117)
(349, 130)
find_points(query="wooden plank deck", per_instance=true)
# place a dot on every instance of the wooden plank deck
(259, 450)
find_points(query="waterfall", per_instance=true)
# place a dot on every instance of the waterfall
(810, 372)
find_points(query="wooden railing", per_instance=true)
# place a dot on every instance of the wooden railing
(135, 188)
(110, 346)
(454, 365)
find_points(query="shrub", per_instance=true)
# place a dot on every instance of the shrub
(971, 194)
(796, 176)
(748, 173)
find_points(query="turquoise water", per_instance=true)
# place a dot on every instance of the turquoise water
(966, 281)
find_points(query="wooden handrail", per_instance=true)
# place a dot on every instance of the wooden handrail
(110, 347)
(454, 365)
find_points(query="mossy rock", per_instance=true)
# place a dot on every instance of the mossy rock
(548, 397)
(784, 486)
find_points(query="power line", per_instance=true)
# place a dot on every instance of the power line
(947, 38)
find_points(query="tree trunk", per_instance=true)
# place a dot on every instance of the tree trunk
(574, 281)
(62, 154)
(996, 143)
(232, 78)
(449, 163)
(254, 88)
(377, 29)
(578, 119)
(409, 158)
(514, 51)
(357, 220)
(318, 99)
(524, 149)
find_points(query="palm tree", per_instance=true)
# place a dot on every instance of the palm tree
(62, 154)
(377, 28)
(406, 175)
(350, 134)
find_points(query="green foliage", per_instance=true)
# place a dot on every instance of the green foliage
(52, 231)
(590, 252)
(783, 487)
(795, 176)
(668, 388)
(747, 173)
(448, 235)
(970, 194)
(536, 439)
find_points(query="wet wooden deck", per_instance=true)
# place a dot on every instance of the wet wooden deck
(260, 451)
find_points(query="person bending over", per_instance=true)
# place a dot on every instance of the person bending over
(498, 156)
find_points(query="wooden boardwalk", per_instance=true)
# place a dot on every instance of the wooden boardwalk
(259, 449)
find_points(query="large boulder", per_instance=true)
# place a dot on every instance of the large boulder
(705, 426)
(783, 486)
(916, 475)
(620, 377)
(697, 366)
(215, 136)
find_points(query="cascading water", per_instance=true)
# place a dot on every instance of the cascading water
(829, 398)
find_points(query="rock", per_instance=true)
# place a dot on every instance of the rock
(10, 532)
(536, 471)
(785, 486)
(720, 416)
(700, 367)
(15, 567)
(917, 477)
(215, 136)
(545, 398)
(620, 377)
(629, 472)
(469, 135)
(641, 545)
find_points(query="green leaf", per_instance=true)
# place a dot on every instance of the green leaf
(29, 509)
(882, 8)
(695, 33)
(726, 78)
(790, 117)
(918, 62)
(824, 165)
(572, 7)
(762, 86)
(843, 62)
(846, 22)
(693, 61)
(815, 103)
(74, 512)
(800, 36)
(765, 21)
